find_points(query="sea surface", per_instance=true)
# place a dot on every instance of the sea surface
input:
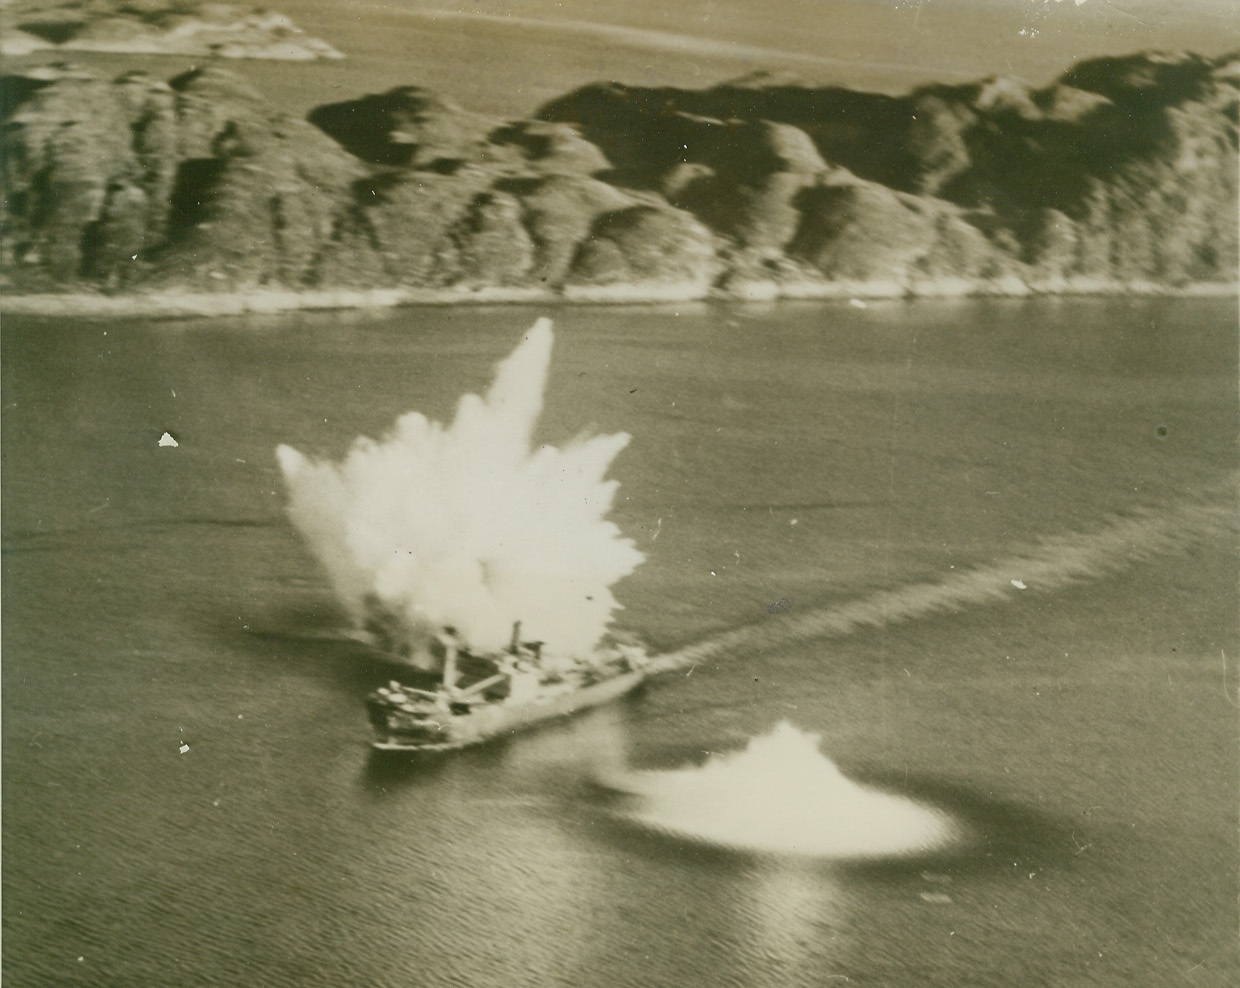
(984, 551)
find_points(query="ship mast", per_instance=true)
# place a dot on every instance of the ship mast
(451, 649)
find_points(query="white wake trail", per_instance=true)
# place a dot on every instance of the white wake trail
(1054, 564)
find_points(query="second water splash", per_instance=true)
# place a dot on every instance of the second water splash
(781, 795)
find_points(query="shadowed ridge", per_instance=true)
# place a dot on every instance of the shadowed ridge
(1121, 176)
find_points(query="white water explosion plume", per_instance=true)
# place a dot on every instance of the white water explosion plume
(467, 525)
(781, 795)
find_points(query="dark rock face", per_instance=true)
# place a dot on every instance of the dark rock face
(1123, 171)
(191, 184)
(256, 192)
(560, 211)
(69, 176)
(645, 245)
(552, 148)
(406, 127)
(492, 245)
(859, 231)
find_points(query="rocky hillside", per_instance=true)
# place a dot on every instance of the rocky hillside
(199, 28)
(1122, 174)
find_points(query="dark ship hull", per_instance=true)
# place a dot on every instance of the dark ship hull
(431, 724)
(494, 695)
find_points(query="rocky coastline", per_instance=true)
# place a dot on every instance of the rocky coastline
(194, 196)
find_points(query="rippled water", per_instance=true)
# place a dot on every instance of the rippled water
(883, 475)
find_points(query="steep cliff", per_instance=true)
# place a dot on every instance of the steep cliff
(194, 183)
(1123, 170)
(1121, 174)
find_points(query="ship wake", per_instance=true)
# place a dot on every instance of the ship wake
(1052, 565)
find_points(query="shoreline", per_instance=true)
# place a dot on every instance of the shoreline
(189, 305)
(749, 193)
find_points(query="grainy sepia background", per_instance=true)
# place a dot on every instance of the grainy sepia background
(1000, 532)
